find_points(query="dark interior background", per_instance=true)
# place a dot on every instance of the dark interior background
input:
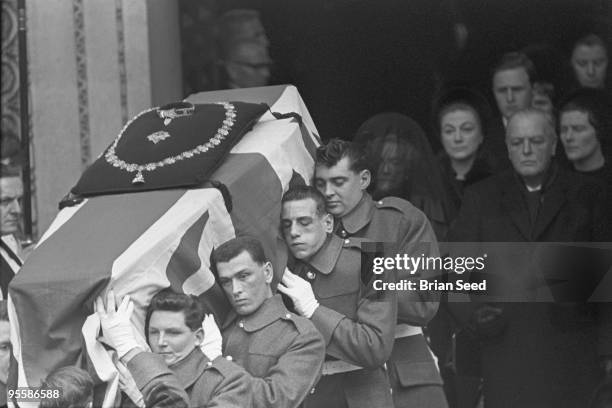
(351, 59)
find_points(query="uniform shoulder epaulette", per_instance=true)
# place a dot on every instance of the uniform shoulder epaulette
(396, 203)
(224, 366)
(302, 324)
(354, 242)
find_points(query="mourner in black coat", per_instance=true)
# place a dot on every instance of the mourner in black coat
(536, 354)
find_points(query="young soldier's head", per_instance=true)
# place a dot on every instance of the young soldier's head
(341, 175)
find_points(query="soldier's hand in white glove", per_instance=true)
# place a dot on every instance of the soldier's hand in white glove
(300, 292)
(211, 345)
(115, 322)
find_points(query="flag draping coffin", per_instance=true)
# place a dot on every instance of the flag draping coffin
(138, 242)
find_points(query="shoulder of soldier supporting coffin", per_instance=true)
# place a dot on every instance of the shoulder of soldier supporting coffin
(399, 205)
(301, 324)
(225, 366)
(354, 242)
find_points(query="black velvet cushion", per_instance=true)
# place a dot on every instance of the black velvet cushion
(146, 139)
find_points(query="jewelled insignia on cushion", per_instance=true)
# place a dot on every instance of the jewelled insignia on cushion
(158, 136)
(175, 110)
(225, 128)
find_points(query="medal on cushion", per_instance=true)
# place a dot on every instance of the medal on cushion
(168, 115)
(175, 110)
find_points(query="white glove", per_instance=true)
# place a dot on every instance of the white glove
(211, 345)
(116, 325)
(128, 385)
(300, 292)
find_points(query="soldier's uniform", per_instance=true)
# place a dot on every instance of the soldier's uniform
(195, 381)
(415, 378)
(357, 323)
(282, 352)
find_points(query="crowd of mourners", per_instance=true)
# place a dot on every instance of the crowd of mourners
(540, 170)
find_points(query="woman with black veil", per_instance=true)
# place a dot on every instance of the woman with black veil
(403, 165)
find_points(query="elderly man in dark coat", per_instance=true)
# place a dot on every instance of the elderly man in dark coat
(536, 354)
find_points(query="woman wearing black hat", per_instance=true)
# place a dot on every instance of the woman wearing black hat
(460, 120)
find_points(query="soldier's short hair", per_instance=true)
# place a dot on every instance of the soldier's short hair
(169, 300)
(234, 247)
(336, 149)
(298, 193)
(512, 60)
(75, 384)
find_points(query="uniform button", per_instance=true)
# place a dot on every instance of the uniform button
(343, 233)
(313, 390)
(241, 324)
(229, 358)
(288, 315)
(347, 241)
(209, 364)
(380, 202)
(310, 275)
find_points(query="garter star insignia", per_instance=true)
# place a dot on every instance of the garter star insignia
(158, 136)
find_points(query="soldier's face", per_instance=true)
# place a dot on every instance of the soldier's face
(245, 282)
(170, 337)
(341, 186)
(304, 230)
(11, 194)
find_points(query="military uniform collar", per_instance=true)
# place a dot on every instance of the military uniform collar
(189, 369)
(327, 256)
(270, 311)
(360, 216)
